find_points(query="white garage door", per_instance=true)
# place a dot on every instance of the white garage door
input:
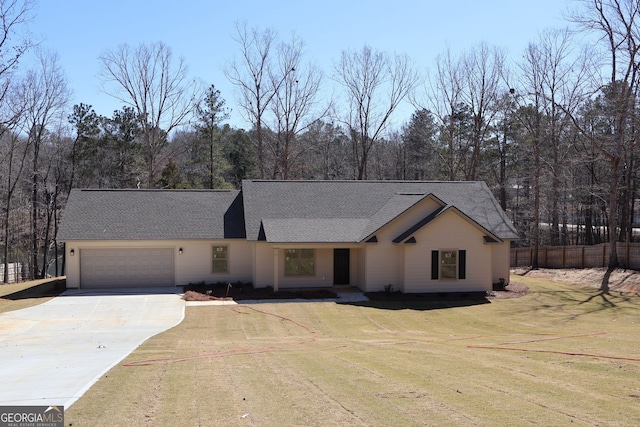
(129, 267)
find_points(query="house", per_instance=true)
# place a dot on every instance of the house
(415, 236)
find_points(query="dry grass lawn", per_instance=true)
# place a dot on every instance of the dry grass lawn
(17, 296)
(561, 355)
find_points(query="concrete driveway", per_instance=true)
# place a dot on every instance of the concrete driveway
(52, 353)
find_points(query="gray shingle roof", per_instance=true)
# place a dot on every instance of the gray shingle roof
(285, 211)
(305, 230)
(152, 215)
(344, 206)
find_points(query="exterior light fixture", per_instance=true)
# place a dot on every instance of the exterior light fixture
(180, 251)
(72, 252)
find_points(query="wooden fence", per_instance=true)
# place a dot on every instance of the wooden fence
(577, 256)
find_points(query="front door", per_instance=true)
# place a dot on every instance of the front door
(341, 266)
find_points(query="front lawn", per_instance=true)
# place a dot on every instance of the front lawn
(560, 355)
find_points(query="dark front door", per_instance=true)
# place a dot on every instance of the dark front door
(341, 266)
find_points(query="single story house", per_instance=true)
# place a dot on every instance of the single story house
(413, 235)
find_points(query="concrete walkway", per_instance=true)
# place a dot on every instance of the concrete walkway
(52, 353)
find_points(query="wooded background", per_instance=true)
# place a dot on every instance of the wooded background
(553, 131)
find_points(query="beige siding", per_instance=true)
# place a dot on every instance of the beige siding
(323, 276)
(193, 265)
(409, 218)
(501, 253)
(383, 265)
(384, 260)
(449, 232)
(264, 272)
(356, 267)
(361, 256)
(263, 265)
(323, 271)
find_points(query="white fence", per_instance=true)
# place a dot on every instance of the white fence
(15, 272)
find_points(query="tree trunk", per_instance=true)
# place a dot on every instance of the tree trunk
(34, 212)
(613, 223)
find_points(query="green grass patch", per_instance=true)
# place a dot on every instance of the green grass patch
(561, 355)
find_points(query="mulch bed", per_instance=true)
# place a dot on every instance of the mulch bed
(246, 291)
(426, 297)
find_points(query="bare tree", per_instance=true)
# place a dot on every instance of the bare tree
(296, 87)
(14, 43)
(252, 76)
(483, 68)
(463, 96)
(444, 95)
(616, 23)
(550, 89)
(15, 150)
(375, 83)
(147, 79)
(45, 95)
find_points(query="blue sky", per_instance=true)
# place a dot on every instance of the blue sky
(201, 32)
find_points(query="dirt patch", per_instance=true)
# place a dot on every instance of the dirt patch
(512, 290)
(197, 296)
(246, 291)
(620, 280)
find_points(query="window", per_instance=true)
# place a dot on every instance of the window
(448, 264)
(299, 262)
(220, 260)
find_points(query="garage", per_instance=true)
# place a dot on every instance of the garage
(126, 267)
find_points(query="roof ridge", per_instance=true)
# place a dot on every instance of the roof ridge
(375, 181)
(158, 190)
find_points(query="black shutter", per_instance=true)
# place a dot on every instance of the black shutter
(462, 264)
(434, 265)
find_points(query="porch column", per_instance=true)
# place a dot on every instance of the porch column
(275, 270)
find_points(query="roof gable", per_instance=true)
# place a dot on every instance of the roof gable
(398, 204)
(429, 219)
